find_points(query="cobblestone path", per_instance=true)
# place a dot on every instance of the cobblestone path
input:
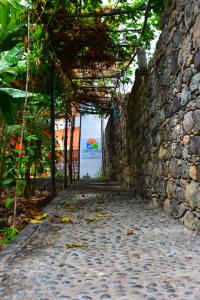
(138, 253)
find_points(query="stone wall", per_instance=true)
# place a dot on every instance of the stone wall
(155, 144)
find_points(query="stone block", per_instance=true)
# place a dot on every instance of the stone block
(178, 151)
(167, 207)
(181, 210)
(175, 168)
(197, 60)
(194, 146)
(196, 7)
(188, 14)
(166, 169)
(189, 220)
(187, 75)
(170, 189)
(177, 132)
(194, 172)
(174, 62)
(188, 122)
(162, 152)
(196, 118)
(186, 139)
(195, 82)
(180, 195)
(177, 38)
(185, 96)
(162, 188)
(192, 194)
(196, 31)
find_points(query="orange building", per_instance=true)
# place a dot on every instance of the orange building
(60, 136)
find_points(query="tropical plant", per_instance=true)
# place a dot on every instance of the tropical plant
(10, 234)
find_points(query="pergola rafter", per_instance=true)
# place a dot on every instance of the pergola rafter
(91, 52)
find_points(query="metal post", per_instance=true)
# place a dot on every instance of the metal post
(102, 144)
(71, 150)
(79, 145)
(52, 127)
(65, 147)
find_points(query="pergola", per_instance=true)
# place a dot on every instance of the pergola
(91, 51)
(94, 49)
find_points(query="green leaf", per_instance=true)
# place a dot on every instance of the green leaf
(14, 93)
(8, 181)
(8, 202)
(13, 129)
(30, 138)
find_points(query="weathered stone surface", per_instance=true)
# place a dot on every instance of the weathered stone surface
(188, 122)
(194, 146)
(196, 118)
(186, 139)
(171, 189)
(192, 194)
(195, 82)
(159, 121)
(197, 60)
(175, 168)
(196, 7)
(196, 32)
(181, 210)
(190, 221)
(185, 96)
(162, 152)
(167, 207)
(194, 172)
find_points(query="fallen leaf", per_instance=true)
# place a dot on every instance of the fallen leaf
(130, 231)
(35, 221)
(65, 220)
(98, 217)
(41, 217)
(76, 245)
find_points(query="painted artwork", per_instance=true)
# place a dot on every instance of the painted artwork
(91, 148)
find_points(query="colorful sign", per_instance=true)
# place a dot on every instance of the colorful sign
(91, 148)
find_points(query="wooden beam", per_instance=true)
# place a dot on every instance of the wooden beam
(109, 13)
(104, 30)
(117, 75)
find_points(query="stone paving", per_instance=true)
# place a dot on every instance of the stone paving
(138, 253)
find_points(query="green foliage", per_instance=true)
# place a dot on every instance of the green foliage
(11, 17)
(49, 39)
(8, 202)
(10, 234)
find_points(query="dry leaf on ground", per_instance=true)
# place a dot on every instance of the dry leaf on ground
(98, 217)
(76, 245)
(41, 217)
(35, 221)
(65, 220)
(130, 232)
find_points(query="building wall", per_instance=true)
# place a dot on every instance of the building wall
(155, 144)
(91, 128)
